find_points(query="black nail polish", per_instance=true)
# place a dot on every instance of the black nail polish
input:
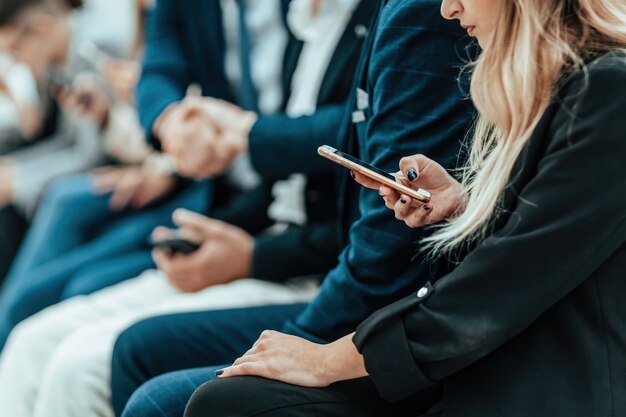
(426, 208)
(219, 372)
(403, 201)
(411, 174)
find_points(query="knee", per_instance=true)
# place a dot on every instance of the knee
(74, 371)
(22, 345)
(66, 192)
(127, 368)
(156, 398)
(243, 396)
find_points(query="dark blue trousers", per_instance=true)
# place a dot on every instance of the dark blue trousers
(166, 344)
(77, 245)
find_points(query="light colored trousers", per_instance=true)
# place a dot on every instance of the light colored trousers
(57, 363)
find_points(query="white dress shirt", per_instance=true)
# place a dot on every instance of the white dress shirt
(268, 40)
(321, 34)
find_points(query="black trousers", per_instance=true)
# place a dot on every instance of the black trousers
(13, 227)
(253, 396)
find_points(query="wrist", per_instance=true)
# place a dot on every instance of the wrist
(248, 119)
(157, 127)
(342, 361)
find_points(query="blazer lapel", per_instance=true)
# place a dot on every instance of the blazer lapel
(350, 43)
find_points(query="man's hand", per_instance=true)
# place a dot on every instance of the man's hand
(225, 254)
(204, 135)
(131, 186)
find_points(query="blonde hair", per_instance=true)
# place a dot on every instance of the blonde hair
(535, 44)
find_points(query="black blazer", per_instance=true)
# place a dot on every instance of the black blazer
(533, 322)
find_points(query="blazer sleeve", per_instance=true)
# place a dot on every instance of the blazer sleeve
(417, 107)
(166, 73)
(552, 242)
(299, 251)
(281, 146)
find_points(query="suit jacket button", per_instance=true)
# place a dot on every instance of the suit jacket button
(360, 31)
(423, 292)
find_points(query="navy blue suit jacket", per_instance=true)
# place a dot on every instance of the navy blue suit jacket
(416, 105)
(186, 46)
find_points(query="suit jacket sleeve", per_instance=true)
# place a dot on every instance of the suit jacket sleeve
(417, 107)
(166, 73)
(280, 145)
(551, 243)
(300, 251)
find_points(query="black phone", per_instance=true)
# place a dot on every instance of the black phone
(175, 245)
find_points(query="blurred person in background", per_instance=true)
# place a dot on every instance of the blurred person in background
(21, 109)
(86, 327)
(102, 99)
(38, 34)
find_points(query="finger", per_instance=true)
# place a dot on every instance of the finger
(412, 166)
(162, 260)
(198, 223)
(104, 182)
(366, 182)
(403, 207)
(162, 232)
(419, 217)
(248, 368)
(390, 196)
(247, 358)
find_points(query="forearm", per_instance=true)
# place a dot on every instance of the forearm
(294, 142)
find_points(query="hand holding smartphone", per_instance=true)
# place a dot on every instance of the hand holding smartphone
(372, 172)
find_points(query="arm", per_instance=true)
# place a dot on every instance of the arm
(166, 73)
(294, 142)
(564, 240)
(77, 148)
(299, 251)
(418, 108)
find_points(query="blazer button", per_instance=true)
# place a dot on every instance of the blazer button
(360, 31)
(423, 292)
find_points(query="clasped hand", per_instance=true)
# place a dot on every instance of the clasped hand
(204, 135)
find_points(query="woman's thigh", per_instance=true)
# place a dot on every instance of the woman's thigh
(254, 396)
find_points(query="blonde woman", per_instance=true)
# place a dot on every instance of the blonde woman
(531, 322)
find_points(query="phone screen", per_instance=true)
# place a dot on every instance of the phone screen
(365, 165)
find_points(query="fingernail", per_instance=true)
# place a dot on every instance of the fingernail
(411, 174)
(219, 372)
(352, 175)
(427, 208)
(403, 201)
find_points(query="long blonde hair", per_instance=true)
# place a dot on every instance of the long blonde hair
(535, 44)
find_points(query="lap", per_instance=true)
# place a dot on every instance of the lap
(189, 340)
(167, 395)
(254, 396)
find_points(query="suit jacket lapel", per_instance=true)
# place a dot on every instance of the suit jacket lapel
(349, 42)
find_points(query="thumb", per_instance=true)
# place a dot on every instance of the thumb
(412, 166)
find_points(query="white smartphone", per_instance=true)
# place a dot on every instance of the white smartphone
(374, 173)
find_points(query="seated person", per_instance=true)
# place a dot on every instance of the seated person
(21, 107)
(109, 242)
(532, 319)
(379, 257)
(228, 255)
